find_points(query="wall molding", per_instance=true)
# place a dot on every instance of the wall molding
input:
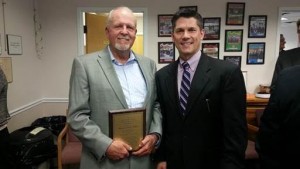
(36, 103)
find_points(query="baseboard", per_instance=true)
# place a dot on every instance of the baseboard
(36, 103)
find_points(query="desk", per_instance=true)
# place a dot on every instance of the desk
(253, 104)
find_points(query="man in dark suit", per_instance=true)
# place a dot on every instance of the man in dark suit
(285, 59)
(278, 140)
(211, 130)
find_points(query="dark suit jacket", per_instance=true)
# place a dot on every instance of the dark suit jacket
(278, 140)
(285, 59)
(213, 134)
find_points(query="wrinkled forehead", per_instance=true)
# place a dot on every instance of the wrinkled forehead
(122, 16)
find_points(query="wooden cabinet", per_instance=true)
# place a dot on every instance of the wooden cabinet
(254, 104)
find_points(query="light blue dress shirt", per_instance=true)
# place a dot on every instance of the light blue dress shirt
(131, 80)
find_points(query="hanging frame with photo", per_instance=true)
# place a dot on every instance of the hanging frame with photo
(164, 25)
(212, 28)
(233, 40)
(166, 52)
(194, 8)
(211, 49)
(235, 13)
(234, 59)
(257, 26)
(256, 53)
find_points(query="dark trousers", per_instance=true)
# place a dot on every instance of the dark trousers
(5, 161)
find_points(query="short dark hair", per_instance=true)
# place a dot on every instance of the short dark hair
(187, 13)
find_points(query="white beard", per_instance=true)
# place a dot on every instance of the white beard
(122, 47)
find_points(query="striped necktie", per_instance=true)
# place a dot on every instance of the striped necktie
(185, 87)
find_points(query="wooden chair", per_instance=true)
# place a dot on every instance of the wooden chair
(68, 148)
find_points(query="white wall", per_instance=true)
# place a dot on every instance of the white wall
(47, 77)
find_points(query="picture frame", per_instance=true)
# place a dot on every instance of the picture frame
(256, 53)
(195, 8)
(235, 13)
(165, 25)
(166, 52)
(211, 49)
(257, 26)
(14, 44)
(234, 59)
(233, 40)
(212, 27)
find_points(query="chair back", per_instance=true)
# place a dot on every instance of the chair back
(69, 148)
(71, 136)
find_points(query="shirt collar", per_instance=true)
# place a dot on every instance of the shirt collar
(193, 61)
(113, 59)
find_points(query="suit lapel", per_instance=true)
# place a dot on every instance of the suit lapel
(199, 81)
(111, 75)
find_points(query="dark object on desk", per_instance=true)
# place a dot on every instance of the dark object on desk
(53, 123)
(31, 146)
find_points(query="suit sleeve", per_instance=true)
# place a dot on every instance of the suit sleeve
(79, 112)
(234, 120)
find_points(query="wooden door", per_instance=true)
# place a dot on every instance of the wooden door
(96, 38)
(95, 32)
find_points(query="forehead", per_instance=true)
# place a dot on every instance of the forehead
(123, 17)
(186, 23)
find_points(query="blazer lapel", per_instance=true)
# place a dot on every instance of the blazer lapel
(199, 81)
(111, 75)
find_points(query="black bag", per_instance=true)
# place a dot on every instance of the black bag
(31, 146)
(52, 123)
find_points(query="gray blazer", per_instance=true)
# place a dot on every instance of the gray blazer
(4, 115)
(94, 90)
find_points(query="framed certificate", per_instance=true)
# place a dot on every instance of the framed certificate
(128, 125)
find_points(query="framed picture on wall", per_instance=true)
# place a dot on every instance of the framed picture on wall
(212, 28)
(235, 13)
(234, 59)
(166, 52)
(257, 26)
(233, 40)
(14, 45)
(195, 8)
(211, 49)
(165, 25)
(256, 53)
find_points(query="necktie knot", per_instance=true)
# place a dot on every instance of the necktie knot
(185, 65)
